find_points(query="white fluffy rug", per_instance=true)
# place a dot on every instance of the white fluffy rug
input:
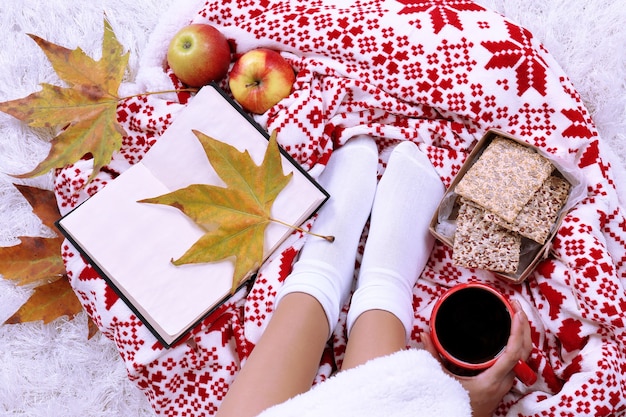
(53, 370)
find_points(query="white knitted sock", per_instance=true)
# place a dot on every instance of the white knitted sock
(399, 242)
(326, 270)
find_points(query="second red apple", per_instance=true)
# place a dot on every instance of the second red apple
(260, 79)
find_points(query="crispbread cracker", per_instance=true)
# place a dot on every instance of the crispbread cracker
(539, 215)
(482, 244)
(504, 178)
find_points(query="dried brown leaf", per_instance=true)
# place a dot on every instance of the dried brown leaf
(35, 260)
(48, 303)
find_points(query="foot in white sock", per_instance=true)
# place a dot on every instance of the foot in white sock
(399, 242)
(326, 270)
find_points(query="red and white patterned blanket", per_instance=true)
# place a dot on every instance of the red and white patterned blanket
(436, 72)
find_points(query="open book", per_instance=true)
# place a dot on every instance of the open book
(132, 244)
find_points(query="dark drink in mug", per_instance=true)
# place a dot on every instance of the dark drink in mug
(470, 327)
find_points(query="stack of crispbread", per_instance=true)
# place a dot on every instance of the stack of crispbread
(510, 192)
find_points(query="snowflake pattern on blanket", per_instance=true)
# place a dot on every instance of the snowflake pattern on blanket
(436, 72)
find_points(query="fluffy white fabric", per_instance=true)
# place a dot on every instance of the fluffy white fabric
(52, 370)
(406, 384)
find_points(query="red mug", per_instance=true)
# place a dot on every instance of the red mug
(470, 326)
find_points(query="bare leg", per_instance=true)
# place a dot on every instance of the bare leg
(284, 362)
(375, 333)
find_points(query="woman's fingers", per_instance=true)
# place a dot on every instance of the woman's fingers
(518, 346)
(429, 346)
(528, 343)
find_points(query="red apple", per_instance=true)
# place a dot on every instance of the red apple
(199, 54)
(259, 79)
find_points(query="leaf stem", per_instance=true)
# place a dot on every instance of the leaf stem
(148, 93)
(328, 238)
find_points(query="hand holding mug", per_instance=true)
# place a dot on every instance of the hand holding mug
(484, 340)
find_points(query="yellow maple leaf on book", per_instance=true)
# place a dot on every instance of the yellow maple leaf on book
(234, 217)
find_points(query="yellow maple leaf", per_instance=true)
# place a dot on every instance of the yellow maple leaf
(85, 111)
(234, 217)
